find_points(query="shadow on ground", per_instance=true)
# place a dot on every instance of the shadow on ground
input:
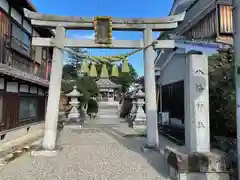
(133, 143)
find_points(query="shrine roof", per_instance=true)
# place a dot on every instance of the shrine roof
(106, 83)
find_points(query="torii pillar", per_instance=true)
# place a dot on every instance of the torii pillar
(51, 118)
(150, 89)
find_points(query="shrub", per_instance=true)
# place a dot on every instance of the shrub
(126, 107)
(92, 106)
(222, 94)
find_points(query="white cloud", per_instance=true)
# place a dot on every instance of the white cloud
(86, 36)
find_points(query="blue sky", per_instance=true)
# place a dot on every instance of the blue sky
(114, 8)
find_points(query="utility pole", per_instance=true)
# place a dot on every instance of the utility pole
(236, 49)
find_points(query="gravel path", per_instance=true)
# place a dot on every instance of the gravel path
(90, 154)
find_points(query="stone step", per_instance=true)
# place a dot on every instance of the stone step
(107, 112)
(108, 116)
(108, 109)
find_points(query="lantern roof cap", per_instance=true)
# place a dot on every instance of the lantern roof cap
(74, 93)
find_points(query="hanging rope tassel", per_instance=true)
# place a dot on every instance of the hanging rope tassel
(115, 72)
(125, 66)
(104, 73)
(84, 67)
(93, 71)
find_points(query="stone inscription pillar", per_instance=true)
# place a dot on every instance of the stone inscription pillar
(196, 92)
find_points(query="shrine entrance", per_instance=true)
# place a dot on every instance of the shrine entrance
(103, 27)
(108, 89)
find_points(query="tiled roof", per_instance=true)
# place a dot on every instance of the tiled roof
(205, 43)
(217, 43)
(180, 6)
(5, 69)
(106, 83)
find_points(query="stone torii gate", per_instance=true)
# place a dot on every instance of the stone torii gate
(63, 23)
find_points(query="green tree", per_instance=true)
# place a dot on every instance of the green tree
(69, 72)
(126, 79)
(222, 93)
(75, 59)
(86, 85)
(67, 86)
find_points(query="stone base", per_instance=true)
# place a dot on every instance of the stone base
(146, 148)
(139, 127)
(47, 153)
(73, 120)
(201, 176)
(205, 166)
(73, 113)
(140, 124)
(73, 125)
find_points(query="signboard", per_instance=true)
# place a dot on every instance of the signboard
(103, 30)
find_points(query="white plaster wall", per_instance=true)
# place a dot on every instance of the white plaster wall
(12, 86)
(174, 71)
(4, 4)
(33, 90)
(38, 54)
(24, 88)
(16, 15)
(165, 54)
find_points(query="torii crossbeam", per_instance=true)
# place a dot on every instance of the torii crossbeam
(61, 23)
(119, 24)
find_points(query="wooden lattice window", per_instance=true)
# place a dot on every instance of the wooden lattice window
(225, 19)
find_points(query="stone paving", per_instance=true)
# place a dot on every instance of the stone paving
(91, 153)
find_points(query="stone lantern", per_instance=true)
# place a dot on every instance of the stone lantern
(134, 103)
(133, 111)
(74, 114)
(140, 121)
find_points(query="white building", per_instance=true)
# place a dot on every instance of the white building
(206, 24)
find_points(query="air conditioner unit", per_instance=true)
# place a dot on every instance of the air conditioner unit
(164, 118)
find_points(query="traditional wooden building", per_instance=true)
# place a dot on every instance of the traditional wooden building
(207, 24)
(208, 19)
(23, 68)
(107, 89)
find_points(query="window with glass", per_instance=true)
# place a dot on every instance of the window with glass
(21, 38)
(27, 108)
